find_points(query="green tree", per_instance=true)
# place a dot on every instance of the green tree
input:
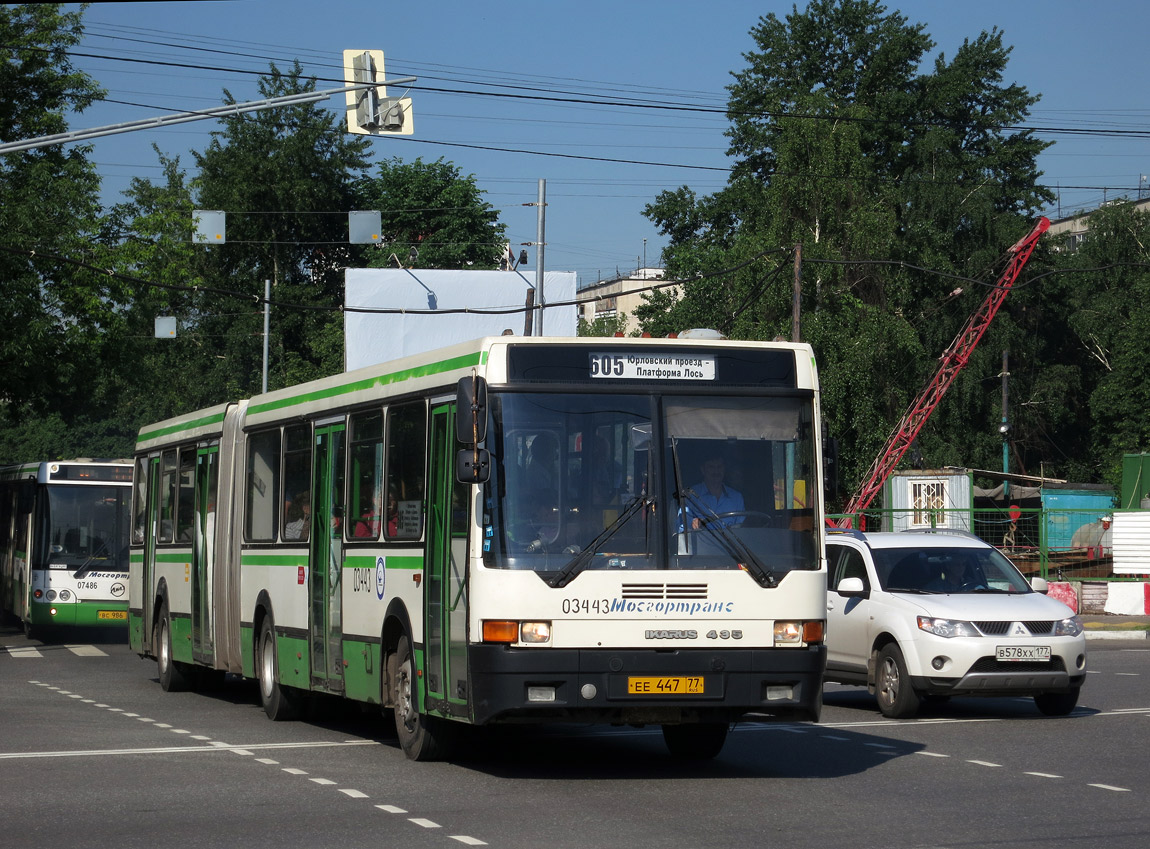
(433, 208)
(843, 145)
(51, 323)
(285, 178)
(1109, 338)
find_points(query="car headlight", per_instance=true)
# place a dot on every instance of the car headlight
(947, 627)
(1070, 627)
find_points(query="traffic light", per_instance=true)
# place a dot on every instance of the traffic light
(369, 110)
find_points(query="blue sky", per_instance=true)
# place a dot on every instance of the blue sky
(1087, 60)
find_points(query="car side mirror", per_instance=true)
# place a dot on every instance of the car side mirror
(1039, 585)
(851, 587)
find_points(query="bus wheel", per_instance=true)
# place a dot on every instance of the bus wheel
(172, 677)
(30, 631)
(279, 702)
(417, 734)
(697, 742)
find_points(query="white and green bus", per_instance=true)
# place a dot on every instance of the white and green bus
(64, 543)
(504, 531)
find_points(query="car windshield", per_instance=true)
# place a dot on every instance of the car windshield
(958, 569)
(617, 481)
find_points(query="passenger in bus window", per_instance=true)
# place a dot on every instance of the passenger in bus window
(298, 517)
(368, 524)
(542, 472)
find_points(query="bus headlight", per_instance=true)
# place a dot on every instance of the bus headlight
(50, 595)
(797, 633)
(510, 631)
(535, 632)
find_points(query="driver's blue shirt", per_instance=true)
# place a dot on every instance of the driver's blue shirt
(702, 503)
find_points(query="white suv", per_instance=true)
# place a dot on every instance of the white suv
(941, 613)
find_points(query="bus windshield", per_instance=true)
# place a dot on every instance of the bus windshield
(615, 481)
(83, 527)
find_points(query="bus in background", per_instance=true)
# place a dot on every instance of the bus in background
(508, 530)
(64, 543)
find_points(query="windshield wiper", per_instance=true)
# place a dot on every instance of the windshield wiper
(735, 546)
(579, 562)
(101, 554)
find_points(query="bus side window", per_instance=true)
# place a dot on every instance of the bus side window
(365, 496)
(168, 480)
(406, 462)
(263, 485)
(185, 497)
(297, 482)
(140, 500)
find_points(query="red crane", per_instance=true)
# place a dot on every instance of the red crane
(953, 361)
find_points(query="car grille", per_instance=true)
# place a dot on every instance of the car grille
(1040, 628)
(990, 664)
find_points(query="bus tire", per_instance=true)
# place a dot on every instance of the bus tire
(695, 742)
(279, 702)
(171, 674)
(418, 734)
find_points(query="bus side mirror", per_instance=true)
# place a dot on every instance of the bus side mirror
(473, 465)
(830, 466)
(471, 410)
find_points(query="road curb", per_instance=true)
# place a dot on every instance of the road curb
(1115, 635)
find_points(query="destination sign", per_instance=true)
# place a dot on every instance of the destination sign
(652, 366)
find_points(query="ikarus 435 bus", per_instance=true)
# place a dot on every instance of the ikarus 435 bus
(511, 530)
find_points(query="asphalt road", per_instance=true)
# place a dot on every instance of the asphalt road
(94, 754)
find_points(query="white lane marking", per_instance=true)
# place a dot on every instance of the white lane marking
(144, 718)
(1042, 774)
(267, 760)
(23, 651)
(420, 821)
(162, 725)
(355, 794)
(391, 809)
(932, 754)
(470, 841)
(983, 763)
(322, 780)
(75, 696)
(180, 731)
(293, 771)
(242, 752)
(87, 651)
(1110, 787)
(212, 747)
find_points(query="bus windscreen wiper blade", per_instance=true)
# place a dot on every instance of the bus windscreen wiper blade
(712, 523)
(577, 563)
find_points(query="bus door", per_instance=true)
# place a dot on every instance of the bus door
(149, 526)
(203, 553)
(326, 566)
(448, 512)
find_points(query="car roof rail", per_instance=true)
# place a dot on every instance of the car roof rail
(853, 532)
(958, 532)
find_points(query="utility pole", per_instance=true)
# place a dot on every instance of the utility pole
(539, 254)
(1004, 428)
(795, 293)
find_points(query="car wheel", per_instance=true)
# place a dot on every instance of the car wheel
(896, 698)
(697, 742)
(1056, 704)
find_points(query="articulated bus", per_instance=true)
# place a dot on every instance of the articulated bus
(511, 530)
(64, 543)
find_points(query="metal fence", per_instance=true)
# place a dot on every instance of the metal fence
(1056, 544)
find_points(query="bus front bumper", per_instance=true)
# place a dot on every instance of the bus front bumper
(633, 686)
